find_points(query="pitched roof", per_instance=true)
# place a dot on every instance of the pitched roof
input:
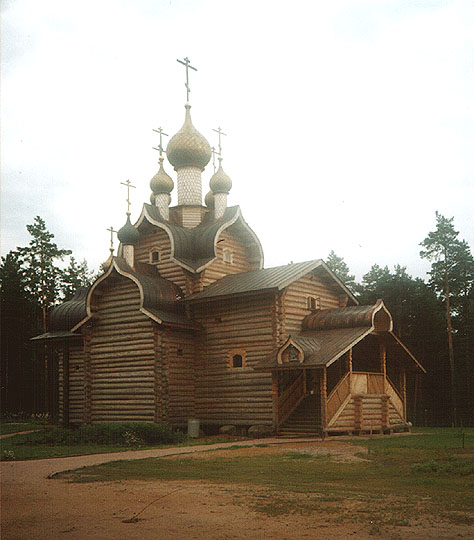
(195, 248)
(320, 348)
(277, 278)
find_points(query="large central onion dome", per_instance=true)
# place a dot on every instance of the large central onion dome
(188, 148)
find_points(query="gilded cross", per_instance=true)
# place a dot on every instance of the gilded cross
(160, 146)
(186, 62)
(112, 231)
(128, 185)
(220, 132)
(214, 152)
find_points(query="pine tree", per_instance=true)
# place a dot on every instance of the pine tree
(452, 278)
(42, 276)
(340, 268)
(75, 276)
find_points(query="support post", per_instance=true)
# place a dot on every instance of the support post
(323, 389)
(403, 381)
(65, 404)
(276, 419)
(383, 363)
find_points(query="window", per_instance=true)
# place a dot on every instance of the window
(227, 256)
(290, 354)
(154, 256)
(237, 359)
(313, 303)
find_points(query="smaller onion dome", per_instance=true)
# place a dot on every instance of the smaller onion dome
(188, 148)
(161, 182)
(220, 182)
(128, 235)
(209, 200)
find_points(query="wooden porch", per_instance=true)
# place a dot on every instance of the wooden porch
(359, 402)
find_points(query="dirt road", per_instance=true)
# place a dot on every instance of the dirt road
(39, 508)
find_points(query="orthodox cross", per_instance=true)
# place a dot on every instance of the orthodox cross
(112, 231)
(160, 146)
(220, 132)
(214, 152)
(128, 185)
(186, 62)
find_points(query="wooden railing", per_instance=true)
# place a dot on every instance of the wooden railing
(395, 397)
(291, 398)
(337, 396)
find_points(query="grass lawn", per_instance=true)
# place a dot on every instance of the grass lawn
(16, 427)
(404, 478)
(44, 444)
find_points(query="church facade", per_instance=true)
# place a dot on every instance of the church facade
(185, 322)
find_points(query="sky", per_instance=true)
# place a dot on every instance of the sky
(348, 123)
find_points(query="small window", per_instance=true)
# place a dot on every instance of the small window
(237, 359)
(227, 256)
(180, 352)
(154, 256)
(313, 303)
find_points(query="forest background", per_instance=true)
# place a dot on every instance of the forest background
(434, 318)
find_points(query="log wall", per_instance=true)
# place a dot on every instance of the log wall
(295, 300)
(241, 258)
(228, 395)
(76, 383)
(157, 239)
(122, 356)
(179, 352)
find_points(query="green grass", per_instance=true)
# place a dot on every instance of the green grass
(52, 441)
(16, 427)
(405, 477)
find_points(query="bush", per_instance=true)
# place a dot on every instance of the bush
(132, 434)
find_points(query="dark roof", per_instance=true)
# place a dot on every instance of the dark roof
(195, 248)
(348, 317)
(68, 314)
(55, 335)
(278, 277)
(321, 348)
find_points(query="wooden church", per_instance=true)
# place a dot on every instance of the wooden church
(185, 322)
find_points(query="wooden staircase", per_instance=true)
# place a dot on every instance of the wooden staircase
(305, 420)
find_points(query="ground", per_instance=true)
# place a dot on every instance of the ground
(42, 508)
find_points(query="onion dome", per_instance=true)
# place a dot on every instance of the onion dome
(188, 148)
(220, 182)
(152, 199)
(128, 235)
(161, 182)
(209, 200)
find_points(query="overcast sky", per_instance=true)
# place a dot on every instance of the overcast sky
(349, 123)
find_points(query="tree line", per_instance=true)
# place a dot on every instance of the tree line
(33, 279)
(434, 318)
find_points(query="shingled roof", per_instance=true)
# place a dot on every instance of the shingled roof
(276, 278)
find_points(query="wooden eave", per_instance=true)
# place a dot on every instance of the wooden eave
(158, 314)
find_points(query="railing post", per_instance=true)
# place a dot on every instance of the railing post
(357, 412)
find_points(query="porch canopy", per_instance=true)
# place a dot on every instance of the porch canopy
(328, 334)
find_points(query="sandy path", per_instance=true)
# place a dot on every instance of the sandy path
(38, 508)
